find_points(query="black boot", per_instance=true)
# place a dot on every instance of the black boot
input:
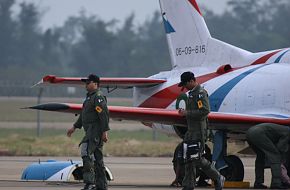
(89, 186)
(202, 183)
(219, 184)
(259, 186)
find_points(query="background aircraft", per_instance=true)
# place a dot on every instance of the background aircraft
(244, 88)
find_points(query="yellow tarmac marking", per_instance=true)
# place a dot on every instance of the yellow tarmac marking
(236, 184)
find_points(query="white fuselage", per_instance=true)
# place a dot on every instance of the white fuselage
(256, 89)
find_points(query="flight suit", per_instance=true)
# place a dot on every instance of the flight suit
(178, 164)
(94, 118)
(271, 141)
(197, 109)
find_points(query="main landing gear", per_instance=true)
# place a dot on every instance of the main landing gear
(235, 169)
(229, 166)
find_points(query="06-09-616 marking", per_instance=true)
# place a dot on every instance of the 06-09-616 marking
(187, 50)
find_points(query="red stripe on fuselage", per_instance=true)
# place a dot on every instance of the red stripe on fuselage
(165, 97)
(265, 58)
(194, 4)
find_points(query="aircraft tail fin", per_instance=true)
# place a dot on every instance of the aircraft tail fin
(189, 40)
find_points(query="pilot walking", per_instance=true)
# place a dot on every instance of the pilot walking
(197, 109)
(94, 118)
(269, 141)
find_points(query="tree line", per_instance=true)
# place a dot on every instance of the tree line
(88, 44)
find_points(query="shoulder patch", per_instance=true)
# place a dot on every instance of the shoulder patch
(99, 109)
(100, 100)
(202, 93)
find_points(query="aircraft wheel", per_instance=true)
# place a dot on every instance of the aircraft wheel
(235, 171)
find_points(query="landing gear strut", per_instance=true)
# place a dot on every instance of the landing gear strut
(229, 166)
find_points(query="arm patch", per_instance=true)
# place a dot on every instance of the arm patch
(199, 104)
(99, 109)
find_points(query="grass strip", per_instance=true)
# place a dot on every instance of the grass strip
(53, 142)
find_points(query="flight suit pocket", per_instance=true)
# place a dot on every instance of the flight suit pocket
(93, 138)
(191, 150)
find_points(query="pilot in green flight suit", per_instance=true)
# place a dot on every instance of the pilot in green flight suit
(94, 118)
(197, 109)
(271, 141)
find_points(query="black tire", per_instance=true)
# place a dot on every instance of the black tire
(235, 171)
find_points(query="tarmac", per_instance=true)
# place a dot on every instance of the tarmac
(142, 173)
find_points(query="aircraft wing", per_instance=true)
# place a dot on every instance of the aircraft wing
(104, 82)
(232, 122)
(148, 115)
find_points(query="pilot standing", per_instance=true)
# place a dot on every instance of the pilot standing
(197, 109)
(94, 118)
(271, 141)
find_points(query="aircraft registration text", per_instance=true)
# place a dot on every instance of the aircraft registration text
(190, 50)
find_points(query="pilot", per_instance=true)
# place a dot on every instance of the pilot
(197, 109)
(269, 141)
(94, 118)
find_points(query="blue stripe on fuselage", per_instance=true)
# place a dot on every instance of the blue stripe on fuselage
(218, 96)
(279, 58)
